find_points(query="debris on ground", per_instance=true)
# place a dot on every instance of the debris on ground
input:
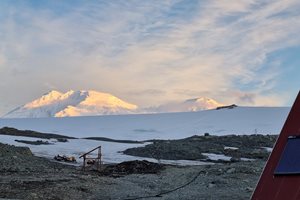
(65, 158)
(133, 167)
(62, 140)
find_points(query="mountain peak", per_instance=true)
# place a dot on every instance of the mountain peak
(52, 92)
(204, 102)
(200, 99)
(73, 103)
(201, 103)
(190, 105)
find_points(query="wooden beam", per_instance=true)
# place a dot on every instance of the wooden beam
(89, 152)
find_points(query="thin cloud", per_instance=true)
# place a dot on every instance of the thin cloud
(147, 92)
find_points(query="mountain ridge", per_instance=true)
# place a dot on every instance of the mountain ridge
(92, 103)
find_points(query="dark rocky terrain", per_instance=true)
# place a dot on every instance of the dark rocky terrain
(248, 146)
(29, 133)
(37, 142)
(24, 176)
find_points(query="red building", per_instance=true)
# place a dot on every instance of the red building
(280, 179)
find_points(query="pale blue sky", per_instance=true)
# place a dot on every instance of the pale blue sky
(150, 52)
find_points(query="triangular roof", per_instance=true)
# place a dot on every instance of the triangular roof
(277, 187)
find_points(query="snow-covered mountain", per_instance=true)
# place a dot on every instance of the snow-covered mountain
(190, 105)
(91, 103)
(73, 103)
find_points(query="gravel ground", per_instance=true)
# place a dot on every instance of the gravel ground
(24, 176)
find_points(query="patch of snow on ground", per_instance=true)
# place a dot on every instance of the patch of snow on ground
(268, 149)
(247, 159)
(231, 148)
(216, 157)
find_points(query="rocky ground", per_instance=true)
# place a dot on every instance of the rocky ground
(236, 146)
(24, 176)
(29, 133)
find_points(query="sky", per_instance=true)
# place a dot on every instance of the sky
(148, 53)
